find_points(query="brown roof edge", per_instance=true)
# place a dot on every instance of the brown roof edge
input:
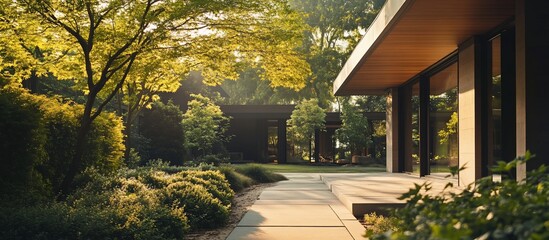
(378, 30)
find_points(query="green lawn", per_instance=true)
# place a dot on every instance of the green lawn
(294, 168)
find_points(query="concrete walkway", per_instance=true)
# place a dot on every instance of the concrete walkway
(324, 206)
(302, 208)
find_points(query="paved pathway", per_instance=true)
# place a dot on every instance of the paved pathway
(302, 208)
(318, 206)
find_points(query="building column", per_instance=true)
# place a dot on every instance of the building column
(262, 140)
(282, 141)
(424, 126)
(470, 128)
(532, 49)
(316, 153)
(393, 161)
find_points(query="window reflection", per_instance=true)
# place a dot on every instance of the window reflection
(414, 157)
(443, 125)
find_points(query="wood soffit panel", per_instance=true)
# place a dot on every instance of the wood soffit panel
(426, 32)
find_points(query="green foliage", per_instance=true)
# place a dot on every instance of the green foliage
(204, 125)
(104, 45)
(214, 181)
(334, 30)
(109, 207)
(305, 119)
(372, 103)
(47, 129)
(378, 224)
(213, 159)
(354, 131)
(484, 210)
(204, 211)
(162, 127)
(451, 128)
(238, 181)
(259, 173)
(22, 145)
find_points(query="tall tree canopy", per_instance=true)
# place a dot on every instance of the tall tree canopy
(98, 43)
(354, 132)
(334, 29)
(204, 125)
(306, 118)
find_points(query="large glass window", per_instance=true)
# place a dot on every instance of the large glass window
(414, 153)
(443, 120)
(495, 100)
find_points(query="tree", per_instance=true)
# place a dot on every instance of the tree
(204, 125)
(306, 118)
(106, 39)
(355, 131)
(162, 127)
(154, 73)
(335, 27)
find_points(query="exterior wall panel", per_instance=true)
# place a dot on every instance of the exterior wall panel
(469, 142)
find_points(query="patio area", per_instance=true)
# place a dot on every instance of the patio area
(325, 205)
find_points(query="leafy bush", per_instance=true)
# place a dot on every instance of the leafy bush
(204, 126)
(109, 207)
(485, 210)
(378, 224)
(39, 137)
(134, 209)
(104, 149)
(22, 139)
(205, 196)
(202, 209)
(213, 181)
(259, 173)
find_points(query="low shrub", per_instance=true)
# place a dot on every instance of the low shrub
(238, 181)
(213, 181)
(484, 210)
(142, 203)
(379, 224)
(205, 196)
(203, 210)
(131, 210)
(213, 159)
(259, 173)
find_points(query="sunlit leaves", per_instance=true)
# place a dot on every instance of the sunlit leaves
(305, 119)
(204, 125)
(354, 131)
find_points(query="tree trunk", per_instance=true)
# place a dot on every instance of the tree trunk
(81, 139)
(128, 133)
(310, 150)
(76, 163)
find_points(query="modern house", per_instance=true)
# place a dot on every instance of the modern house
(466, 83)
(259, 133)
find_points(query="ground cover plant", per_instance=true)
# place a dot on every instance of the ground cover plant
(152, 202)
(131, 205)
(312, 168)
(485, 210)
(259, 173)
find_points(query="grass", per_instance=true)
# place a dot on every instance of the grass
(295, 168)
(259, 173)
